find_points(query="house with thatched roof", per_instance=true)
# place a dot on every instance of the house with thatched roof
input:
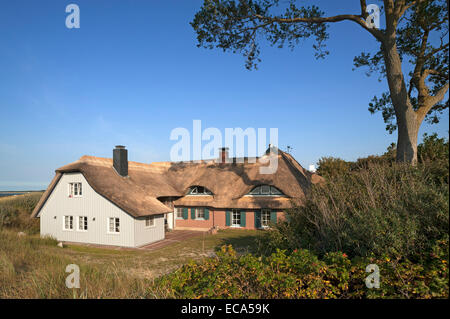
(119, 202)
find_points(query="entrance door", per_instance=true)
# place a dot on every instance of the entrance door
(169, 220)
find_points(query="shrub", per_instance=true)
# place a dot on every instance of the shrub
(397, 210)
(432, 149)
(386, 159)
(301, 274)
(331, 166)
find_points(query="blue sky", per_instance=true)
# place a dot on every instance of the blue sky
(132, 73)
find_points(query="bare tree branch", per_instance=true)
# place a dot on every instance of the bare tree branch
(378, 34)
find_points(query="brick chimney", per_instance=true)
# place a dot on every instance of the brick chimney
(120, 160)
(223, 154)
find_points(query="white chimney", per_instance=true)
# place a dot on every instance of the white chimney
(312, 168)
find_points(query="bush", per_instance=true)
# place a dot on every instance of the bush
(432, 149)
(331, 166)
(396, 210)
(387, 158)
(301, 274)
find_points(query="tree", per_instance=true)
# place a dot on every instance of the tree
(331, 166)
(415, 33)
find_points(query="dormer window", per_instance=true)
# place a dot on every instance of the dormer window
(199, 190)
(265, 190)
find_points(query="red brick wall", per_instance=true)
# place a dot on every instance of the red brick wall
(217, 218)
(195, 223)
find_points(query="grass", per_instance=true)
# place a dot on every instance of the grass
(15, 212)
(32, 267)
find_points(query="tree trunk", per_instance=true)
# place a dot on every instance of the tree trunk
(408, 130)
(407, 125)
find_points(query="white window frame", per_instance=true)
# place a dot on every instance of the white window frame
(82, 223)
(268, 190)
(273, 191)
(148, 219)
(178, 210)
(267, 212)
(75, 189)
(108, 224)
(70, 218)
(194, 191)
(197, 211)
(233, 219)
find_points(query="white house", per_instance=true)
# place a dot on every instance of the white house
(117, 202)
(72, 210)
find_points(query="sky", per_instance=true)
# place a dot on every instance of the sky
(132, 73)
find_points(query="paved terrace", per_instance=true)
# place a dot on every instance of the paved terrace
(172, 237)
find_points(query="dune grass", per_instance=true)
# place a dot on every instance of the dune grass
(34, 267)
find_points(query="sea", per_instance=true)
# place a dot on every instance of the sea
(2, 194)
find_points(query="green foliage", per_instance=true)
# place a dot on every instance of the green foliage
(331, 166)
(433, 149)
(394, 209)
(422, 41)
(301, 274)
(237, 26)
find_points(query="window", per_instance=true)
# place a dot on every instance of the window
(199, 190)
(179, 213)
(114, 225)
(275, 191)
(75, 190)
(199, 213)
(265, 217)
(265, 190)
(68, 223)
(149, 221)
(236, 218)
(82, 223)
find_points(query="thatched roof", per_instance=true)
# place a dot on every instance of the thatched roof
(140, 192)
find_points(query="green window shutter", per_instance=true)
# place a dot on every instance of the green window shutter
(206, 213)
(228, 218)
(273, 217)
(192, 213)
(185, 213)
(242, 218)
(257, 219)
